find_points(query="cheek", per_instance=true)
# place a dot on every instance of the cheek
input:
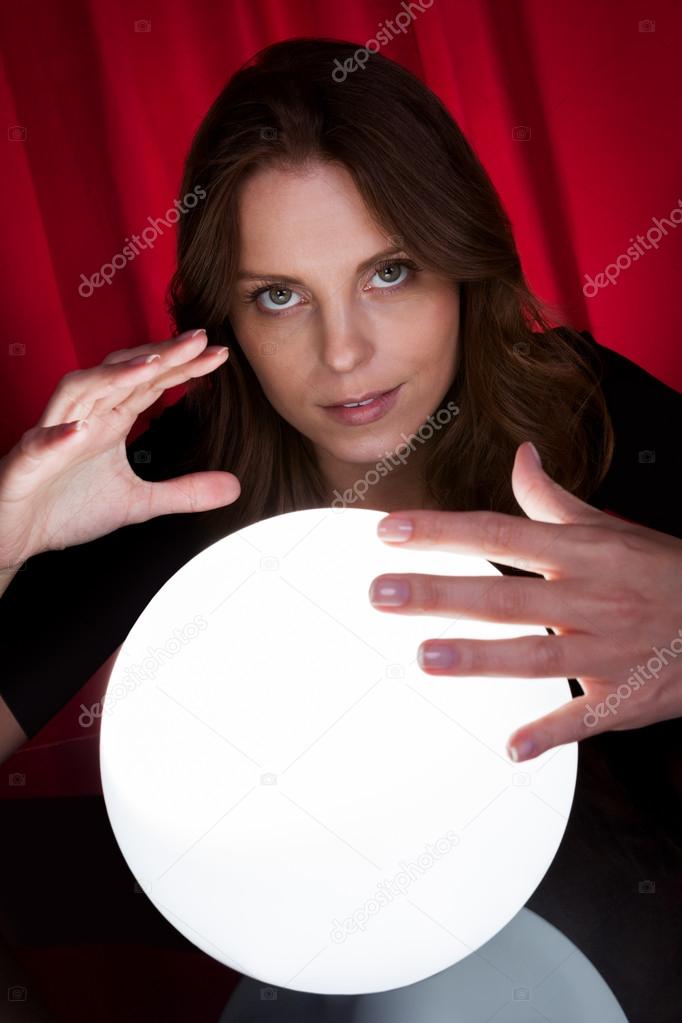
(278, 378)
(441, 334)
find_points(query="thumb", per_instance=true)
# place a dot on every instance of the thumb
(574, 721)
(541, 498)
(195, 492)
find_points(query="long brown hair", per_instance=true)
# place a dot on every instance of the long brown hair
(517, 379)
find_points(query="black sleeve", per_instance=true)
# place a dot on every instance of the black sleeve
(624, 825)
(65, 612)
(643, 481)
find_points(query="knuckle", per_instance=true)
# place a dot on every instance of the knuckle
(588, 536)
(500, 532)
(635, 542)
(609, 541)
(626, 607)
(27, 438)
(70, 378)
(427, 593)
(507, 600)
(113, 357)
(469, 659)
(29, 434)
(612, 540)
(433, 527)
(547, 657)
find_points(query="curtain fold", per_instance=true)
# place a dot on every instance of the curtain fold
(573, 110)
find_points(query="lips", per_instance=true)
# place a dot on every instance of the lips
(365, 397)
(362, 415)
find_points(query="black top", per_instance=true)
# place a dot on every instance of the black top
(615, 885)
(74, 607)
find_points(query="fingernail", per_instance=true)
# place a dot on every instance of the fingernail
(535, 452)
(436, 655)
(395, 529)
(143, 359)
(389, 592)
(521, 750)
(190, 333)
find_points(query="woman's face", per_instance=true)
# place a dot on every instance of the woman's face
(327, 326)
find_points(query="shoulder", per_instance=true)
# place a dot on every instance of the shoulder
(623, 376)
(643, 480)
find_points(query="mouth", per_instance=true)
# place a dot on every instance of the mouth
(363, 400)
(372, 406)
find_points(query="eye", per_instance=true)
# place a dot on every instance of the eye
(391, 269)
(278, 294)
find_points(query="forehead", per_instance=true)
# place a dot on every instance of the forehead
(301, 213)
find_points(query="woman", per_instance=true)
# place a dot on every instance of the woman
(349, 243)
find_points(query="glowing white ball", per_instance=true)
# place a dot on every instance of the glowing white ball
(294, 794)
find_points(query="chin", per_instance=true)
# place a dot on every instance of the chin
(365, 451)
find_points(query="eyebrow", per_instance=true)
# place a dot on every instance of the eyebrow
(365, 265)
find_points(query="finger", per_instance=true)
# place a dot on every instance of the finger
(529, 601)
(574, 721)
(522, 657)
(144, 396)
(100, 388)
(195, 492)
(160, 347)
(507, 539)
(542, 498)
(38, 448)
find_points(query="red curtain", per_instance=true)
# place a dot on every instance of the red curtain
(574, 110)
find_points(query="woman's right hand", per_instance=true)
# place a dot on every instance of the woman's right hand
(60, 486)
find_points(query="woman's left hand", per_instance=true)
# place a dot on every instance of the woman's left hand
(612, 592)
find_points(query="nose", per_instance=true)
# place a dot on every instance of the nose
(346, 339)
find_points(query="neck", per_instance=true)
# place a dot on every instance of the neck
(360, 486)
